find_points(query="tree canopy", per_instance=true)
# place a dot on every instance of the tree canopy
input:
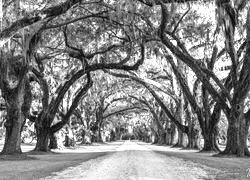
(164, 68)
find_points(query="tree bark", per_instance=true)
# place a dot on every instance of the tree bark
(238, 124)
(83, 134)
(99, 137)
(18, 102)
(193, 137)
(43, 135)
(13, 125)
(237, 133)
(53, 141)
(181, 139)
(210, 143)
(180, 116)
(162, 138)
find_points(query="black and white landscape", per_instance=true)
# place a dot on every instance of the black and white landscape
(124, 89)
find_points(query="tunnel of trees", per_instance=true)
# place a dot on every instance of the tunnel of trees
(172, 72)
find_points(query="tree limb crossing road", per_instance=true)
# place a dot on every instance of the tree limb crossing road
(133, 161)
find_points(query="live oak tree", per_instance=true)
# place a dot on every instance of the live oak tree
(188, 97)
(174, 106)
(87, 36)
(159, 130)
(15, 82)
(228, 19)
(110, 102)
(207, 124)
(45, 123)
(15, 88)
(237, 80)
(165, 109)
(18, 39)
(206, 76)
(52, 18)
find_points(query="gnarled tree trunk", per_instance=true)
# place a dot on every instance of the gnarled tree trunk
(16, 93)
(180, 116)
(13, 124)
(193, 137)
(43, 135)
(210, 143)
(237, 133)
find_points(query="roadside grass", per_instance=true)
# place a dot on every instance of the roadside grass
(229, 167)
(30, 166)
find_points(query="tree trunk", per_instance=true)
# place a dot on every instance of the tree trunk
(112, 135)
(17, 107)
(173, 134)
(43, 135)
(193, 137)
(181, 139)
(53, 141)
(69, 138)
(99, 136)
(67, 141)
(237, 137)
(168, 136)
(83, 133)
(210, 142)
(162, 138)
(13, 127)
(156, 137)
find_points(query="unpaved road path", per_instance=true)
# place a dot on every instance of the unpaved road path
(134, 161)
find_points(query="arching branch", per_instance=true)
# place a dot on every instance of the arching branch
(78, 97)
(156, 118)
(186, 91)
(35, 17)
(158, 2)
(111, 102)
(183, 128)
(123, 110)
(99, 66)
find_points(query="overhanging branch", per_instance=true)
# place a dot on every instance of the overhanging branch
(123, 110)
(35, 17)
(183, 128)
(78, 97)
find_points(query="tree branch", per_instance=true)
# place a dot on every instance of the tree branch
(123, 110)
(113, 100)
(158, 123)
(53, 106)
(186, 91)
(78, 97)
(45, 88)
(151, 3)
(185, 57)
(75, 20)
(177, 24)
(183, 128)
(35, 17)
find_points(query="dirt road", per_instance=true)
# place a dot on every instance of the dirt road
(134, 161)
